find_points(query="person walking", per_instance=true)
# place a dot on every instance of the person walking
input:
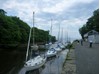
(91, 43)
(82, 42)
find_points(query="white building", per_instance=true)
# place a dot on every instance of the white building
(92, 36)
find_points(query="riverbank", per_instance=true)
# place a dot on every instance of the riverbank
(69, 66)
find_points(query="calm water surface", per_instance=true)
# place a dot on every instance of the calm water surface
(52, 66)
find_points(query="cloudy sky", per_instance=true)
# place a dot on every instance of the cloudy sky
(69, 14)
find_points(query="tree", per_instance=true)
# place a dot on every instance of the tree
(83, 30)
(15, 31)
(93, 21)
(23, 28)
(91, 24)
(2, 12)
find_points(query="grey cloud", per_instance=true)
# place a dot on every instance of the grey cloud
(2, 2)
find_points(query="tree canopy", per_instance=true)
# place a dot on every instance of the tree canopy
(91, 24)
(2, 12)
(15, 31)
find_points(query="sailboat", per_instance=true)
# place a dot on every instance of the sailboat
(58, 48)
(37, 61)
(62, 43)
(51, 51)
(66, 43)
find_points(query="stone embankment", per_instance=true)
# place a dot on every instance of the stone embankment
(69, 66)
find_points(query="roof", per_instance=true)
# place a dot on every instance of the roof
(92, 32)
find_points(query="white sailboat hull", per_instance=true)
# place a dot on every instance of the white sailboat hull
(58, 49)
(50, 55)
(37, 65)
(62, 46)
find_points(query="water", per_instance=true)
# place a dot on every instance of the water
(11, 60)
(52, 66)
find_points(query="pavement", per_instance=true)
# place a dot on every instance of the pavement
(87, 59)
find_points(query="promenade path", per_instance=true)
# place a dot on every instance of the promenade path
(87, 59)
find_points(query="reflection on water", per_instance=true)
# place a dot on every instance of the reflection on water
(52, 66)
(33, 72)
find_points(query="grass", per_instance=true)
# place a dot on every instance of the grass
(66, 59)
(69, 46)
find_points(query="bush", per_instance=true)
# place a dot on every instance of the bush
(69, 46)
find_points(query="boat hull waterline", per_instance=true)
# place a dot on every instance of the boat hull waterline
(36, 66)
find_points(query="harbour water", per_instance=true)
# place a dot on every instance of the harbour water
(53, 65)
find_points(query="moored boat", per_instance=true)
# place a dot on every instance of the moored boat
(37, 61)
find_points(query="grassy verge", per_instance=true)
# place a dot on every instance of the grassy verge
(69, 46)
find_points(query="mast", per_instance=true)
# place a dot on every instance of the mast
(62, 36)
(28, 44)
(67, 37)
(29, 39)
(33, 29)
(59, 32)
(51, 31)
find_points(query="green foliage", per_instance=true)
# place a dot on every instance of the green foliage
(52, 38)
(14, 31)
(69, 46)
(2, 12)
(42, 36)
(9, 32)
(91, 24)
(23, 28)
(83, 30)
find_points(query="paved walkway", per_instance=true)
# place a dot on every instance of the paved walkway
(87, 59)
